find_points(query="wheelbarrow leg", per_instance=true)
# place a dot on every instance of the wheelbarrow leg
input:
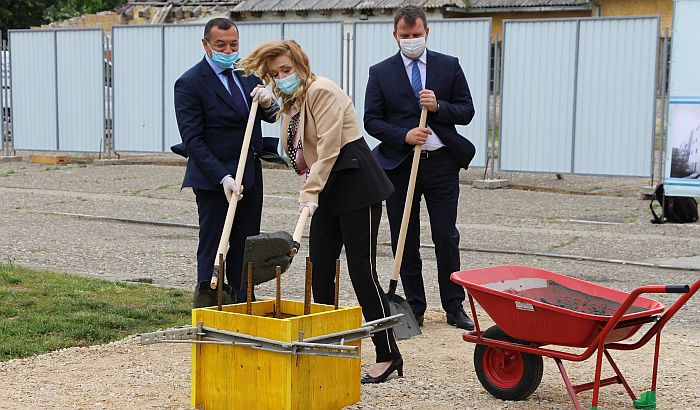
(656, 360)
(567, 382)
(596, 380)
(648, 398)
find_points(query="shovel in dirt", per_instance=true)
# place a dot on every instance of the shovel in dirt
(269, 250)
(408, 326)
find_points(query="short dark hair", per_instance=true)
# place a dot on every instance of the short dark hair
(222, 23)
(410, 14)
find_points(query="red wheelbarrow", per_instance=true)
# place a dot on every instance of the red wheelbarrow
(533, 308)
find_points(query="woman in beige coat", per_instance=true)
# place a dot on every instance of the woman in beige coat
(343, 184)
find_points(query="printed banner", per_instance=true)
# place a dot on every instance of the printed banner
(682, 171)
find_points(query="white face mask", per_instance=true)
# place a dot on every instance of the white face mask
(412, 47)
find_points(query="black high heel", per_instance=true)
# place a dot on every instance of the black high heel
(396, 364)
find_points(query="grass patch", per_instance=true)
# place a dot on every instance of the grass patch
(8, 173)
(42, 311)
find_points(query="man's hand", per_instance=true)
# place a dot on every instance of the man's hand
(428, 100)
(418, 136)
(311, 205)
(263, 96)
(231, 188)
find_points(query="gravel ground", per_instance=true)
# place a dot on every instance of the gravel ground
(58, 217)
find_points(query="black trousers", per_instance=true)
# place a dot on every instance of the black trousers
(438, 182)
(357, 230)
(212, 207)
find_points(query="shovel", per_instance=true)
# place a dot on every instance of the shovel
(408, 326)
(231, 212)
(269, 250)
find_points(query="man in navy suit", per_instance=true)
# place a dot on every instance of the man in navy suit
(397, 89)
(212, 105)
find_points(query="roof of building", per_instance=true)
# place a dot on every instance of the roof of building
(308, 5)
(492, 4)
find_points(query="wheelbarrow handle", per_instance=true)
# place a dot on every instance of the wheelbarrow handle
(677, 288)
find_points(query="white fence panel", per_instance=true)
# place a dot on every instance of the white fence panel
(373, 42)
(34, 114)
(80, 70)
(138, 88)
(616, 95)
(183, 49)
(539, 60)
(470, 41)
(323, 42)
(583, 100)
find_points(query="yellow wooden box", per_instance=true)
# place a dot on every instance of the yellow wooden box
(232, 377)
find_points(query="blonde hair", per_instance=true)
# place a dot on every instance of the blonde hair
(256, 63)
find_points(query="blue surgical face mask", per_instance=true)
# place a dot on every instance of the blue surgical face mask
(288, 84)
(222, 59)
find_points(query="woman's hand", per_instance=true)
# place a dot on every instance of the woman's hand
(311, 205)
(263, 95)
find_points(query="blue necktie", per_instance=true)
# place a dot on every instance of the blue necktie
(235, 92)
(415, 79)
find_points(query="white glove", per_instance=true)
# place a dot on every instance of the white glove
(263, 95)
(231, 187)
(311, 205)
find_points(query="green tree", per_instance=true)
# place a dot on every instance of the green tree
(21, 14)
(70, 8)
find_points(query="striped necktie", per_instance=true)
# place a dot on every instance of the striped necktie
(235, 92)
(416, 82)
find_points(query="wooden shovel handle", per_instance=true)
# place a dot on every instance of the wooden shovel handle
(231, 212)
(409, 202)
(301, 224)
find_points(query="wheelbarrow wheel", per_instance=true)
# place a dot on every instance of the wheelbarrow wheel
(506, 374)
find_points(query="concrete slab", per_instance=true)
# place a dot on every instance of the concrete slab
(688, 262)
(490, 183)
(13, 158)
(103, 162)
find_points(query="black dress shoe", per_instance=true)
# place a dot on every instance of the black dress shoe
(460, 319)
(396, 364)
(419, 320)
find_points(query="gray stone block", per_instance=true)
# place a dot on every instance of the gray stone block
(12, 158)
(490, 183)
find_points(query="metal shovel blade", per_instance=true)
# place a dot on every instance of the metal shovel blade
(408, 326)
(265, 252)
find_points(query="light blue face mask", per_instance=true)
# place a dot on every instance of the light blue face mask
(288, 84)
(222, 59)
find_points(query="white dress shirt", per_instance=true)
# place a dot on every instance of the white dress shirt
(433, 142)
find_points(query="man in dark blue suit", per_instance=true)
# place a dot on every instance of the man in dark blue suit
(396, 90)
(212, 105)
